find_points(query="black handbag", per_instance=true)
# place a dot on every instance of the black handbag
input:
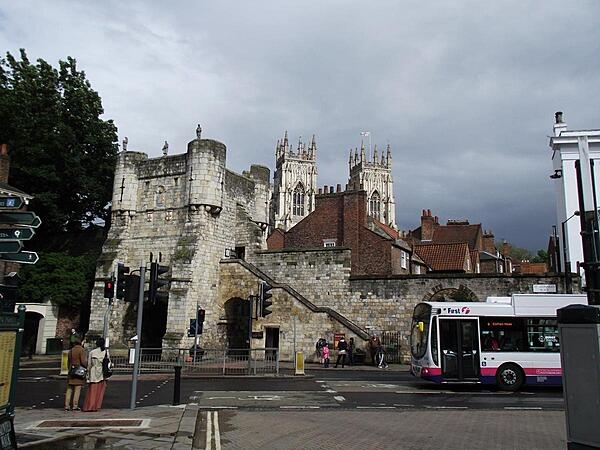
(78, 372)
(107, 369)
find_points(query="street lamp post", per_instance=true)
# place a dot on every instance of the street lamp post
(568, 289)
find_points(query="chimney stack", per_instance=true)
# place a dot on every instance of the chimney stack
(559, 125)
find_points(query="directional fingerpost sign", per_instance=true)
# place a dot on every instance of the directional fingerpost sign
(20, 233)
(10, 246)
(20, 218)
(23, 257)
(11, 202)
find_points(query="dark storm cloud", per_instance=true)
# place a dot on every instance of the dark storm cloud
(464, 92)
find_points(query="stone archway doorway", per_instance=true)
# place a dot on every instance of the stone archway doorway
(238, 324)
(459, 294)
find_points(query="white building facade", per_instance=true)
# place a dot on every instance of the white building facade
(569, 146)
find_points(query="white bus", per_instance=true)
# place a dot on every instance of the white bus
(508, 341)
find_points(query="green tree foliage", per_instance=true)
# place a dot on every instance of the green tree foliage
(516, 253)
(65, 280)
(541, 257)
(61, 152)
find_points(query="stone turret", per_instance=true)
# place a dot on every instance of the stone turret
(206, 174)
(126, 185)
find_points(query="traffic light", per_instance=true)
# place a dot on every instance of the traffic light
(263, 298)
(109, 289)
(132, 288)
(122, 271)
(200, 319)
(154, 294)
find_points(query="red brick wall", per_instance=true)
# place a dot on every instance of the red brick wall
(343, 216)
(323, 223)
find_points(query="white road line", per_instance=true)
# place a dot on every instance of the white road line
(212, 421)
(398, 405)
(339, 398)
(523, 407)
(446, 407)
(331, 391)
(299, 407)
(375, 407)
(208, 443)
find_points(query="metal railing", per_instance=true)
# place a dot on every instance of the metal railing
(258, 361)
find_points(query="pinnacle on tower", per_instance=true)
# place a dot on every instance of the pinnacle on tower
(388, 158)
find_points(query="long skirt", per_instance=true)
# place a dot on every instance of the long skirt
(94, 396)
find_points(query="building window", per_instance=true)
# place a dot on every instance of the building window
(329, 243)
(160, 197)
(298, 201)
(375, 206)
(403, 259)
(417, 270)
(169, 215)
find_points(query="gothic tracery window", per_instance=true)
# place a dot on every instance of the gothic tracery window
(375, 206)
(298, 200)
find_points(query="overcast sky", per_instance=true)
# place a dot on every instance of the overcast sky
(463, 91)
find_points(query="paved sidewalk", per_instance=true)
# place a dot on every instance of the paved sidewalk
(157, 427)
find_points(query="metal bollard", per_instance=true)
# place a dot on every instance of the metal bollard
(177, 384)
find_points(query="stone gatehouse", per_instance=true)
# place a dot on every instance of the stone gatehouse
(196, 214)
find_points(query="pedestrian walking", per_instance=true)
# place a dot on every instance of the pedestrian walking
(76, 360)
(374, 345)
(97, 383)
(325, 350)
(380, 358)
(72, 337)
(342, 349)
(351, 351)
(319, 349)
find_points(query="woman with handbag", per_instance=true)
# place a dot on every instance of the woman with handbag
(76, 377)
(96, 381)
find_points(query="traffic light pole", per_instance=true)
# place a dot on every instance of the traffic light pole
(196, 334)
(140, 315)
(107, 315)
(106, 318)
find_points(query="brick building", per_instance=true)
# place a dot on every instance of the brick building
(340, 219)
(438, 246)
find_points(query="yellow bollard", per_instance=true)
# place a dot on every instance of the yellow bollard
(299, 363)
(64, 362)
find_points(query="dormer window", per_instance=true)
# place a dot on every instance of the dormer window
(329, 242)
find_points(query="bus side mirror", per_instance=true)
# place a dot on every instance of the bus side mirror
(421, 326)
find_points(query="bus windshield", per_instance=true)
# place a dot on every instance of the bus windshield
(420, 330)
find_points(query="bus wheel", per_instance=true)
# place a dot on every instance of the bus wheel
(510, 377)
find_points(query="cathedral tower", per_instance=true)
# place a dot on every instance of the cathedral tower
(294, 184)
(375, 177)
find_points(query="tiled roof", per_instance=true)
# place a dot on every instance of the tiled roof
(444, 257)
(453, 233)
(381, 228)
